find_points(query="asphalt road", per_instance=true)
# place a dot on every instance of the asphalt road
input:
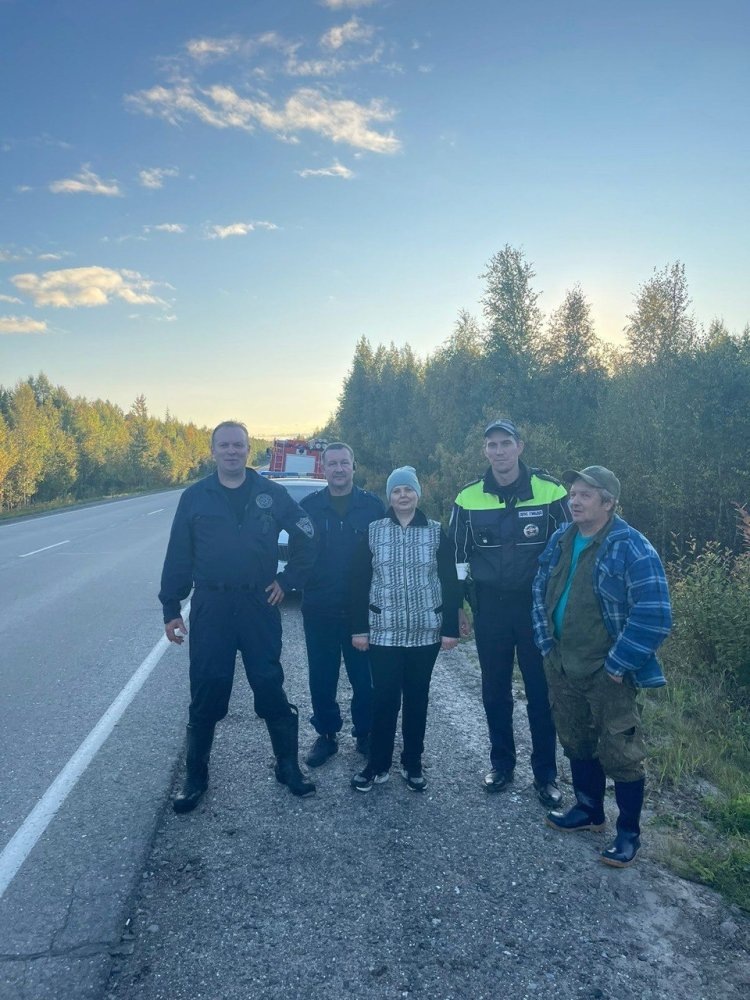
(79, 615)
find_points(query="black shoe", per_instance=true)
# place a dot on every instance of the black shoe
(363, 745)
(323, 748)
(548, 792)
(576, 818)
(496, 781)
(623, 851)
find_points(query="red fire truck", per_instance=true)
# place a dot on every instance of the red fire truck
(296, 457)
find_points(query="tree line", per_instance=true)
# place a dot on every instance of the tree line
(54, 446)
(668, 412)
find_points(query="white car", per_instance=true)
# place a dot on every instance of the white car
(299, 488)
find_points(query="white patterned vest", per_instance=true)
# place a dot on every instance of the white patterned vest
(405, 593)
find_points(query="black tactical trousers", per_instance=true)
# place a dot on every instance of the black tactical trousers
(223, 622)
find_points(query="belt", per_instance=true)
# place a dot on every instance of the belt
(226, 587)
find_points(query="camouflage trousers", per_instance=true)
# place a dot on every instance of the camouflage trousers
(596, 717)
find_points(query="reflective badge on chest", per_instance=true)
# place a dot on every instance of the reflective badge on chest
(264, 500)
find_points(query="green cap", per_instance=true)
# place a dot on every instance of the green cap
(595, 475)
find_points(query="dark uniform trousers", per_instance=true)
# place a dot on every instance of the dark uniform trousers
(328, 638)
(223, 621)
(503, 629)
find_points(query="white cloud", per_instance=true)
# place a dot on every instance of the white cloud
(153, 177)
(8, 254)
(53, 256)
(339, 120)
(10, 298)
(21, 324)
(86, 286)
(236, 229)
(86, 182)
(330, 65)
(335, 170)
(342, 4)
(206, 49)
(352, 31)
(166, 227)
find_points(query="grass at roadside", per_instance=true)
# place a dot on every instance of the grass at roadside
(699, 727)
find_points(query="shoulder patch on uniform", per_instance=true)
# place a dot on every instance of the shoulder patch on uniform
(264, 500)
(305, 525)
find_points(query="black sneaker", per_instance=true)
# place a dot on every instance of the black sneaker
(496, 781)
(414, 778)
(323, 748)
(364, 780)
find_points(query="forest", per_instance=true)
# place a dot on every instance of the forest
(668, 411)
(55, 448)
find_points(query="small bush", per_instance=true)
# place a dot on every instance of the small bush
(711, 602)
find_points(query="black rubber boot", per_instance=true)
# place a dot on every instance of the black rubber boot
(623, 851)
(587, 813)
(199, 741)
(284, 733)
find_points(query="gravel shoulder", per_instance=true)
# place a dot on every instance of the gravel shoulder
(446, 895)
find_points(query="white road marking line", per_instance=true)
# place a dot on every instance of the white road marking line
(23, 841)
(66, 542)
(158, 511)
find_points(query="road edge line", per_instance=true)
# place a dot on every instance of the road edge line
(24, 840)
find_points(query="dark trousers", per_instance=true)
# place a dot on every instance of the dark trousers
(221, 623)
(503, 629)
(327, 639)
(397, 671)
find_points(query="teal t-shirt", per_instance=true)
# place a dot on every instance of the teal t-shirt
(579, 544)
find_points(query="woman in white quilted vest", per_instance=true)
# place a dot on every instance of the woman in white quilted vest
(404, 599)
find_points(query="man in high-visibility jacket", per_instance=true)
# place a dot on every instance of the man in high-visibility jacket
(500, 525)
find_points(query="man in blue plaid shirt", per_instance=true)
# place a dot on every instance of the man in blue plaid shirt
(601, 609)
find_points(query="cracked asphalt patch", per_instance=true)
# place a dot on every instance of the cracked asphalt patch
(445, 895)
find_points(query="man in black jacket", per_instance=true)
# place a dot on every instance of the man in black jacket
(341, 514)
(224, 545)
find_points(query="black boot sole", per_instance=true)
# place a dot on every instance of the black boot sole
(616, 863)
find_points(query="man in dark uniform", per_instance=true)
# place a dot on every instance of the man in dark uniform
(500, 525)
(341, 513)
(224, 544)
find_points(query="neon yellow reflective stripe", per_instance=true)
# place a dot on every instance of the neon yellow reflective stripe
(473, 497)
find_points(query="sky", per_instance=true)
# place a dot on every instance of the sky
(210, 203)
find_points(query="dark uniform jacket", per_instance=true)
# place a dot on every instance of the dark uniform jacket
(502, 541)
(207, 547)
(327, 587)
